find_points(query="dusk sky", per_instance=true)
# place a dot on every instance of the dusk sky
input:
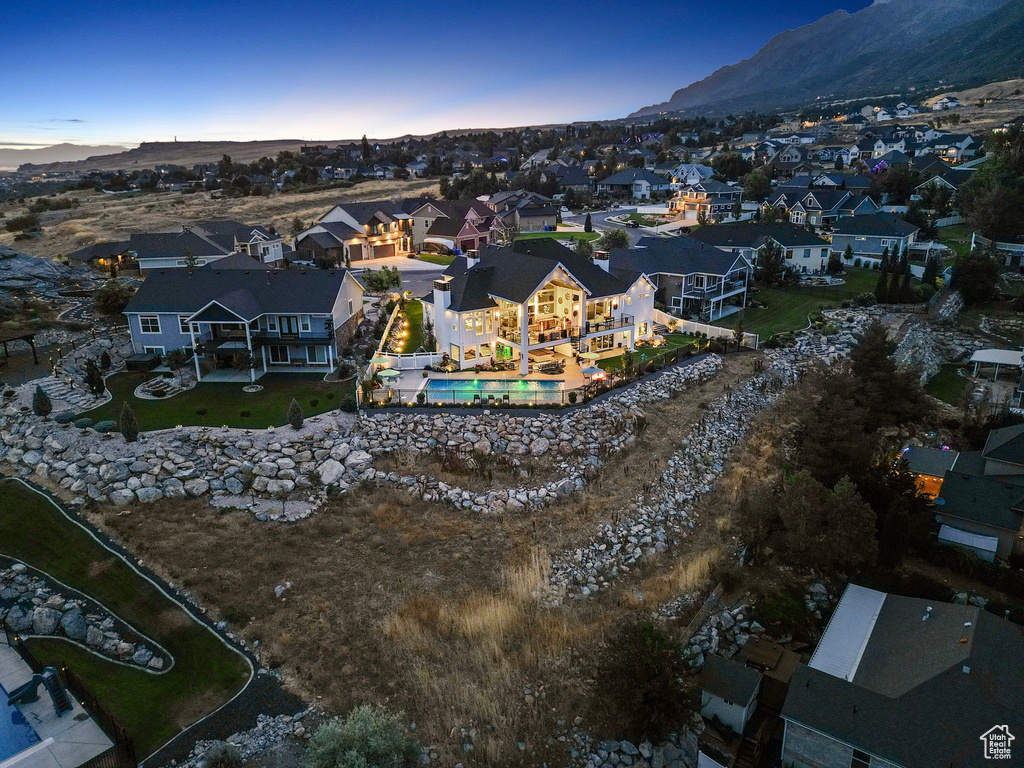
(130, 71)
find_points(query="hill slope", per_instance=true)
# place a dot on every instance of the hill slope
(889, 46)
(12, 158)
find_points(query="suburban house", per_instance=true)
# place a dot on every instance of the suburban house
(952, 147)
(461, 225)
(690, 277)
(356, 232)
(854, 182)
(534, 304)
(688, 174)
(819, 207)
(103, 255)
(568, 178)
(205, 242)
(903, 682)
(790, 160)
(979, 495)
(637, 183)
(522, 211)
(804, 252)
(946, 102)
(710, 198)
(870, 235)
(952, 180)
(240, 323)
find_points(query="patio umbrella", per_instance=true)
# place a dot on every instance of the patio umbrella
(380, 360)
(591, 370)
(589, 355)
(389, 373)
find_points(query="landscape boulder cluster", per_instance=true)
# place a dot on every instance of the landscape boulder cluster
(30, 605)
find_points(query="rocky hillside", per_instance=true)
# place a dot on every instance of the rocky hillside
(889, 47)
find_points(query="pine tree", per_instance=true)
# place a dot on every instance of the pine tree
(41, 404)
(105, 361)
(588, 225)
(882, 286)
(129, 424)
(893, 294)
(890, 396)
(931, 272)
(295, 417)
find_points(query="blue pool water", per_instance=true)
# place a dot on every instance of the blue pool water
(458, 390)
(16, 734)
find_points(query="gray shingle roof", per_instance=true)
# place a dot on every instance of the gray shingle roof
(754, 235)
(1006, 444)
(630, 175)
(247, 293)
(673, 256)
(876, 225)
(911, 701)
(729, 680)
(99, 251)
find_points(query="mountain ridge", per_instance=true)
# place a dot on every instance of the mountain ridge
(63, 152)
(841, 54)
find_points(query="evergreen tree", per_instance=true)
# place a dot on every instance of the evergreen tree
(832, 438)
(893, 294)
(105, 362)
(882, 286)
(295, 416)
(848, 254)
(41, 404)
(891, 397)
(129, 424)
(931, 271)
(588, 225)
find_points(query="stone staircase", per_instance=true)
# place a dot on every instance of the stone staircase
(65, 397)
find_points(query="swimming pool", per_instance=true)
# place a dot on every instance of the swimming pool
(16, 735)
(518, 391)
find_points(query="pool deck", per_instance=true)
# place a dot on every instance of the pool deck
(64, 742)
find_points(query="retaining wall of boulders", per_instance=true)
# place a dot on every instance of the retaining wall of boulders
(32, 605)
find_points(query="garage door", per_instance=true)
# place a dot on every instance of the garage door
(383, 251)
(355, 252)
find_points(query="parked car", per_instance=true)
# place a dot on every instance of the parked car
(633, 224)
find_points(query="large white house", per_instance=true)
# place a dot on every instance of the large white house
(533, 302)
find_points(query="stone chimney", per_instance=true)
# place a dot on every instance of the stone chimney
(472, 258)
(601, 259)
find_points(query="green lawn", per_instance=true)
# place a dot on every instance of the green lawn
(152, 707)
(672, 340)
(216, 404)
(559, 235)
(947, 385)
(957, 237)
(414, 313)
(787, 310)
(436, 258)
(642, 220)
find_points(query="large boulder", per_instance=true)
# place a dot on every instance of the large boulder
(19, 619)
(45, 620)
(331, 471)
(73, 624)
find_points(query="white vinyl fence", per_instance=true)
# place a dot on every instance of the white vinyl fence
(711, 331)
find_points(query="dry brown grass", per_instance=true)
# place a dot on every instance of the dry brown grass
(433, 610)
(106, 217)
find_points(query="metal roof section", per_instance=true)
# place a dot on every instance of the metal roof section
(848, 631)
(997, 357)
(973, 540)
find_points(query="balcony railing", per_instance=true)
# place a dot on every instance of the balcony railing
(714, 291)
(625, 321)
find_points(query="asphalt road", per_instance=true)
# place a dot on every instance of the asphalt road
(599, 220)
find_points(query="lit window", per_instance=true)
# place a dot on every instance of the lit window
(469, 322)
(149, 324)
(304, 323)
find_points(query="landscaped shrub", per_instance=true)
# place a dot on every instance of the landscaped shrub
(329, 395)
(572, 396)
(314, 403)
(64, 418)
(421, 397)
(295, 414)
(107, 425)
(83, 422)
(638, 675)
(223, 755)
(201, 411)
(245, 414)
(105, 361)
(857, 262)
(41, 404)
(369, 737)
(129, 424)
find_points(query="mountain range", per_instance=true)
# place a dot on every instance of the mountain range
(58, 153)
(891, 47)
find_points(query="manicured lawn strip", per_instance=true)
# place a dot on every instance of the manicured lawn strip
(414, 313)
(436, 258)
(152, 707)
(947, 385)
(672, 340)
(787, 310)
(642, 220)
(224, 402)
(957, 237)
(559, 235)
